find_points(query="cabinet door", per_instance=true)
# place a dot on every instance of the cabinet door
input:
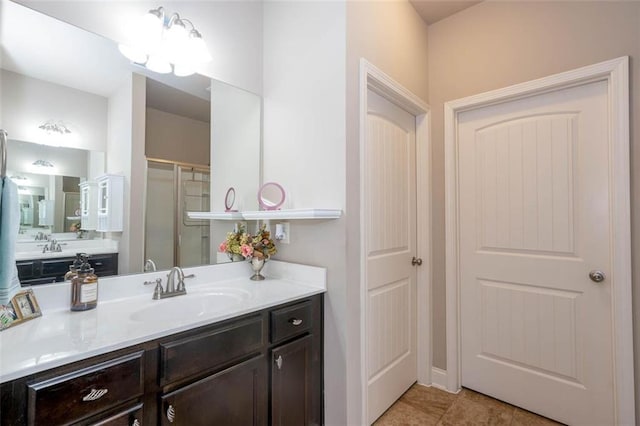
(129, 417)
(235, 396)
(291, 383)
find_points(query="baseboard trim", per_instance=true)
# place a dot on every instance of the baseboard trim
(439, 378)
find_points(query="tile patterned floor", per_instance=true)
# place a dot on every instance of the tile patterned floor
(424, 406)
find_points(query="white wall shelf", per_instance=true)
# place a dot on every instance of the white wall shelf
(289, 214)
(215, 215)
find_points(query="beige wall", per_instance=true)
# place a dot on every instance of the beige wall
(176, 138)
(496, 44)
(391, 36)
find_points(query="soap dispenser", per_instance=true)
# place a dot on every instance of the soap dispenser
(84, 287)
(74, 267)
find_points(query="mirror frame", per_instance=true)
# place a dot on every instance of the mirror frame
(267, 204)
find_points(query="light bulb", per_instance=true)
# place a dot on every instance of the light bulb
(151, 25)
(197, 48)
(183, 70)
(177, 32)
(175, 40)
(158, 64)
(134, 54)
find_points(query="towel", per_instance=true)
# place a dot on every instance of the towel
(9, 229)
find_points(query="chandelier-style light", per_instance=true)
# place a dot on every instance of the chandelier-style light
(164, 45)
(52, 128)
(42, 163)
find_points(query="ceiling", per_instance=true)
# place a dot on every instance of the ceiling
(433, 11)
(169, 99)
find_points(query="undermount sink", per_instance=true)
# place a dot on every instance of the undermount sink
(191, 306)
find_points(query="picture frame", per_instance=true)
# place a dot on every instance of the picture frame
(22, 307)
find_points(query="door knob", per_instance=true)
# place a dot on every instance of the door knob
(416, 261)
(597, 276)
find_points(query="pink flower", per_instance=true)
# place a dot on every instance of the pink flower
(222, 248)
(246, 250)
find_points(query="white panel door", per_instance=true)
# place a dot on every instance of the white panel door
(390, 242)
(536, 331)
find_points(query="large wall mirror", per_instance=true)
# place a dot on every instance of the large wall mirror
(202, 136)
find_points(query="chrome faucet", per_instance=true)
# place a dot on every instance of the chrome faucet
(53, 246)
(171, 280)
(172, 288)
(150, 266)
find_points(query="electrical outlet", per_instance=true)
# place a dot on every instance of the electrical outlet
(282, 234)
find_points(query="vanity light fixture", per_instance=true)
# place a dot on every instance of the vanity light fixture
(157, 42)
(42, 163)
(55, 128)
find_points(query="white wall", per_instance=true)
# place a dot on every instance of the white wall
(66, 161)
(28, 102)
(231, 29)
(304, 137)
(119, 157)
(235, 146)
(236, 124)
(125, 156)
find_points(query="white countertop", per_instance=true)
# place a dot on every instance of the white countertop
(33, 249)
(61, 337)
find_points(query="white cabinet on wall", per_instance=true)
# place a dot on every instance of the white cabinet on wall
(88, 205)
(110, 203)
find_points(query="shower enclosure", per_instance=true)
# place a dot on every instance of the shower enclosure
(171, 238)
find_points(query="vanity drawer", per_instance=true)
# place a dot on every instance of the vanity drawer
(291, 321)
(104, 265)
(27, 269)
(80, 394)
(205, 351)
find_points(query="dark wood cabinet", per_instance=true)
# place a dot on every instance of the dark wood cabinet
(47, 271)
(82, 393)
(236, 396)
(291, 381)
(258, 369)
(131, 416)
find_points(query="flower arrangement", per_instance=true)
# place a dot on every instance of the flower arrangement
(240, 242)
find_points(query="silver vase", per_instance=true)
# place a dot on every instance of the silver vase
(256, 266)
(235, 257)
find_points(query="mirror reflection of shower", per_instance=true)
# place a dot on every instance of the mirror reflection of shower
(171, 238)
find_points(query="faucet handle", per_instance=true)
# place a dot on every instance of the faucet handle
(157, 292)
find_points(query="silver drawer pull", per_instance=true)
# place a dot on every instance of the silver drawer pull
(171, 414)
(135, 422)
(94, 394)
(279, 362)
(295, 321)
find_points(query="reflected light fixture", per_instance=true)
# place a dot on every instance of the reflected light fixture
(164, 44)
(53, 128)
(42, 163)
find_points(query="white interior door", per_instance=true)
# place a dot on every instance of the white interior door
(536, 331)
(390, 244)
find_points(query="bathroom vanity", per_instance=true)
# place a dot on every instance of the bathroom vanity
(37, 266)
(242, 353)
(49, 270)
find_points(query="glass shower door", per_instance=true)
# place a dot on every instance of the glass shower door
(160, 213)
(171, 238)
(193, 234)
